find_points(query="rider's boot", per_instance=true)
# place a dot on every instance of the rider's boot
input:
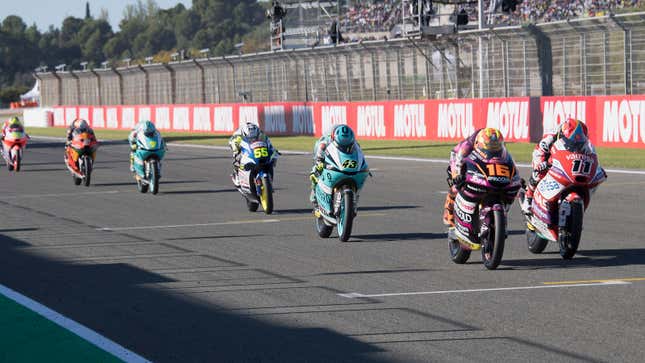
(528, 201)
(132, 162)
(448, 209)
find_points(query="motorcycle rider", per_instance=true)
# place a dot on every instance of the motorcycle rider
(343, 137)
(12, 125)
(147, 128)
(575, 135)
(78, 124)
(489, 143)
(249, 132)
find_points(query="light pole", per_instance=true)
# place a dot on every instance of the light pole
(480, 54)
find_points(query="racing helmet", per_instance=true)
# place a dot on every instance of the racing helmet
(148, 128)
(83, 126)
(250, 131)
(489, 142)
(574, 134)
(14, 122)
(343, 137)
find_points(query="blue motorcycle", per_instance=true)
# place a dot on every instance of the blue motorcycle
(336, 191)
(255, 174)
(147, 162)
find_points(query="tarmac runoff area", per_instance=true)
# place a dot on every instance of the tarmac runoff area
(190, 275)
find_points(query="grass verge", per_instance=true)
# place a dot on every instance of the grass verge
(610, 157)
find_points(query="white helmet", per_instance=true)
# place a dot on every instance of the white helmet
(250, 130)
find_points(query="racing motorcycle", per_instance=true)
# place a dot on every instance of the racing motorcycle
(147, 162)
(481, 208)
(14, 142)
(561, 198)
(80, 155)
(337, 189)
(255, 174)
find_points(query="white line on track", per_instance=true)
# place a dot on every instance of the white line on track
(188, 225)
(353, 295)
(72, 326)
(59, 194)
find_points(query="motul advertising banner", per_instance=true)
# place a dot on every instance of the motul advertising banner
(612, 120)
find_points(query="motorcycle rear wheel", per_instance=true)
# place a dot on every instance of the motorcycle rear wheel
(493, 247)
(535, 243)
(16, 162)
(570, 241)
(252, 206)
(324, 231)
(458, 254)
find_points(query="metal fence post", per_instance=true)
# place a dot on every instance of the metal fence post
(147, 83)
(173, 83)
(202, 82)
(98, 87)
(605, 53)
(78, 85)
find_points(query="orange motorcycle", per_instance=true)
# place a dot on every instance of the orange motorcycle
(14, 142)
(80, 155)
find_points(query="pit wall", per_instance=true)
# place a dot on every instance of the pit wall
(613, 121)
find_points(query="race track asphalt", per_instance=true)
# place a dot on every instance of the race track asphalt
(190, 275)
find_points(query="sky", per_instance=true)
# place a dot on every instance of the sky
(52, 12)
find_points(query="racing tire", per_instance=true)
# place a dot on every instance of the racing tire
(141, 186)
(16, 161)
(569, 238)
(324, 231)
(77, 180)
(458, 254)
(252, 206)
(87, 171)
(345, 218)
(266, 196)
(492, 255)
(154, 176)
(535, 243)
(10, 167)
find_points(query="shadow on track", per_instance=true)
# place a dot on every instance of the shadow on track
(133, 182)
(114, 299)
(202, 191)
(583, 259)
(394, 237)
(360, 209)
(374, 272)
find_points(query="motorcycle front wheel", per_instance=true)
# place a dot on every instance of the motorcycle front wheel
(266, 195)
(569, 238)
(87, 170)
(154, 176)
(493, 245)
(345, 218)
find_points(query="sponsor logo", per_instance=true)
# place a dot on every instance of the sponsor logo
(248, 114)
(622, 121)
(510, 118)
(371, 121)
(111, 114)
(274, 119)
(97, 117)
(127, 114)
(223, 119)
(332, 116)
(409, 121)
(162, 117)
(70, 115)
(303, 120)
(180, 118)
(463, 215)
(498, 179)
(455, 120)
(548, 185)
(556, 112)
(202, 119)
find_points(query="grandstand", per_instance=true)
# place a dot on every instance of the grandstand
(308, 22)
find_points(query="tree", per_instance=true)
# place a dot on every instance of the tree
(13, 25)
(88, 15)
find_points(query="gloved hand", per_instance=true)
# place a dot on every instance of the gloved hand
(542, 166)
(319, 167)
(313, 178)
(133, 147)
(458, 180)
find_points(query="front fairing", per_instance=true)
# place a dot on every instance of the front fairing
(340, 168)
(147, 148)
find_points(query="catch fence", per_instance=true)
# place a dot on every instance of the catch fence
(594, 56)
